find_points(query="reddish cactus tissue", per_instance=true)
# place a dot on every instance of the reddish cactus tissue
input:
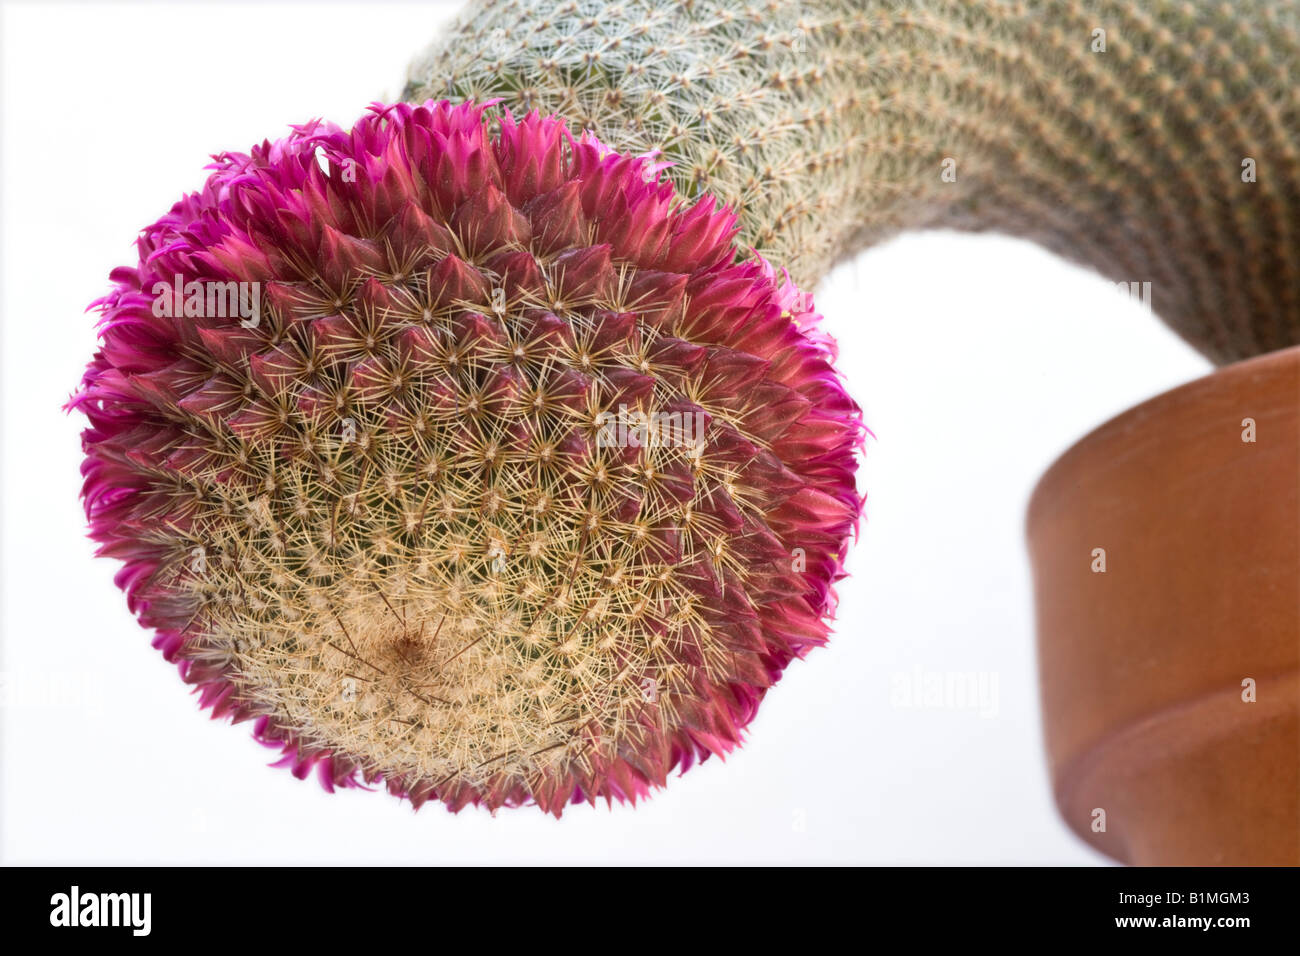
(464, 456)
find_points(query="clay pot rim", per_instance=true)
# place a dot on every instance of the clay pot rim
(1162, 731)
(1066, 463)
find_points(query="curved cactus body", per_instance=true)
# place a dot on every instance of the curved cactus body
(1156, 141)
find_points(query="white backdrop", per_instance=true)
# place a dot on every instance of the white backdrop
(976, 359)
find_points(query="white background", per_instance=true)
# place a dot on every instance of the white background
(977, 361)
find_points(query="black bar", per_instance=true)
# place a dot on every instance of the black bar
(247, 905)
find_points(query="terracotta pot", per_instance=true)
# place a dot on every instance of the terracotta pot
(1147, 667)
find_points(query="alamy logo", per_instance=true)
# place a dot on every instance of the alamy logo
(636, 429)
(102, 909)
(209, 300)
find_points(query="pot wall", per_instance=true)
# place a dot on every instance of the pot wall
(1142, 664)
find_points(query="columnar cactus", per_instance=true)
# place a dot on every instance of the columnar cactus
(1154, 140)
(515, 471)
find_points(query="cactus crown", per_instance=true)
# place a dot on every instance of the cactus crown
(498, 499)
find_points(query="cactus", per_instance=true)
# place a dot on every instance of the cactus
(382, 512)
(1155, 140)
